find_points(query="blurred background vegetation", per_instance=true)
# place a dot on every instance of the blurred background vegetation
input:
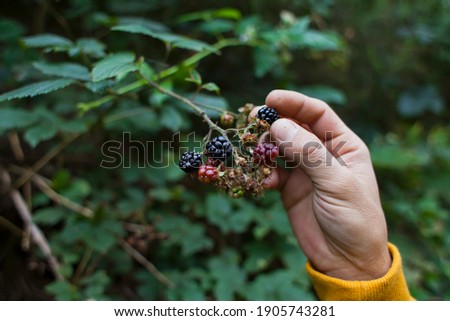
(154, 234)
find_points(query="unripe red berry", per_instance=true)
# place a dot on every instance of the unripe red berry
(265, 154)
(207, 174)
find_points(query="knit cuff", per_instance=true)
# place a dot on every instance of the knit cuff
(390, 287)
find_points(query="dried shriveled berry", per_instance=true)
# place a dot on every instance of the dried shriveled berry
(190, 161)
(227, 120)
(265, 154)
(207, 174)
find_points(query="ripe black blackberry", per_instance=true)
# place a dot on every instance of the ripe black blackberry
(268, 114)
(218, 148)
(190, 161)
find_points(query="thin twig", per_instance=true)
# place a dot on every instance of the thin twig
(82, 265)
(43, 161)
(36, 234)
(218, 109)
(197, 109)
(62, 200)
(42, 184)
(10, 226)
(146, 263)
(16, 148)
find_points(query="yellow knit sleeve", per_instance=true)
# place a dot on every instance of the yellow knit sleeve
(390, 287)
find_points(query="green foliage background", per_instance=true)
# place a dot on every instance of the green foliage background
(384, 66)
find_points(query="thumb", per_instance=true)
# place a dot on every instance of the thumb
(301, 148)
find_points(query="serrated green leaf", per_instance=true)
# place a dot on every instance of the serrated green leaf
(217, 102)
(38, 88)
(64, 70)
(49, 216)
(191, 44)
(88, 46)
(46, 40)
(114, 65)
(39, 133)
(15, 119)
(174, 40)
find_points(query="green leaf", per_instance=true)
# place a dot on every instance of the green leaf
(319, 40)
(114, 65)
(190, 44)
(146, 71)
(63, 290)
(10, 29)
(189, 236)
(217, 26)
(174, 40)
(224, 13)
(46, 40)
(38, 88)
(210, 86)
(49, 216)
(211, 101)
(228, 275)
(218, 208)
(88, 46)
(64, 70)
(265, 59)
(39, 133)
(15, 119)
(171, 118)
(74, 126)
(287, 289)
(150, 24)
(195, 77)
(96, 284)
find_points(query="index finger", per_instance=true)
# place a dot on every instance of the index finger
(315, 113)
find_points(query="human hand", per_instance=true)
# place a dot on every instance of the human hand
(330, 193)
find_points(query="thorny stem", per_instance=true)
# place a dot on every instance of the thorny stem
(197, 109)
(216, 109)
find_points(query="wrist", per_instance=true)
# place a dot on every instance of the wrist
(364, 269)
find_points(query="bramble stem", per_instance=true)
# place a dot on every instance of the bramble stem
(197, 109)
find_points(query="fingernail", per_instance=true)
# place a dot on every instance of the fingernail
(283, 130)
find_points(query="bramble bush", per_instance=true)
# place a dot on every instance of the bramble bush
(84, 73)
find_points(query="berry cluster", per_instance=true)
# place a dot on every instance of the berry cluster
(238, 166)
